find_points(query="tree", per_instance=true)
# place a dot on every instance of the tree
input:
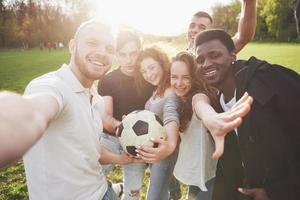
(278, 15)
(297, 16)
(226, 16)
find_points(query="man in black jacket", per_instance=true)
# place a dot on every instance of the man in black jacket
(261, 158)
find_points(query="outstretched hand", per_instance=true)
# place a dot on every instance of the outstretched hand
(222, 123)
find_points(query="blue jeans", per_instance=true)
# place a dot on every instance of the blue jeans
(195, 193)
(110, 194)
(133, 174)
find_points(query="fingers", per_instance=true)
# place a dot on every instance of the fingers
(242, 99)
(249, 192)
(158, 140)
(219, 145)
(240, 110)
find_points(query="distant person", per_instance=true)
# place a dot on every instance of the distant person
(201, 21)
(261, 158)
(49, 46)
(60, 45)
(121, 97)
(60, 118)
(41, 45)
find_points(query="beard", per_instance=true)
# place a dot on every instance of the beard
(78, 61)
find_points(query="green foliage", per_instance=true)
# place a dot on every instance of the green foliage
(277, 15)
(18, 67)
(226, 16)
(13, 183)
(275, 19)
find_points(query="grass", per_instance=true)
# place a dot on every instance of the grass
(17, 68)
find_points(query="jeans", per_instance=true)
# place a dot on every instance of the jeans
(133, 174)
(110, 194)
(195, 193)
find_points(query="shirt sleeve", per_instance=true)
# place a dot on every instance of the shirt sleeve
(105, 86)
(48, 87)
(170, 110)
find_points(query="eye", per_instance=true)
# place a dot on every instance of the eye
(92, 43)
(214, 54)
(187, 78)
(110, 49)
(173, 77)
(192, 25)
(200, 60)
(151, 67)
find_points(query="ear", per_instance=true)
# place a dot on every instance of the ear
(72, 45)
(233, 56)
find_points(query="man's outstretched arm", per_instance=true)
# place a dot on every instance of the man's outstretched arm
(247, 25)
(22, 122)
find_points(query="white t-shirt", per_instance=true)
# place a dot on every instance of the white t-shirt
(227, 106)
(195, 165)
(63, 164)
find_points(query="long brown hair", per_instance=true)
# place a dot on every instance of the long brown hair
(162, 58)
(198, 86)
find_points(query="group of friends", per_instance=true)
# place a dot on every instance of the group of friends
(231, 124)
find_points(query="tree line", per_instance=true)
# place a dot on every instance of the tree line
(277, 20)
(41, 21)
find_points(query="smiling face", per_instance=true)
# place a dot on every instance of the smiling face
(92, 52)
(127, 56)
(214, 62)
(181, 79)
(151, 71)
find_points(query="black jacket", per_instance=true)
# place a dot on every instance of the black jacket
(266, 152)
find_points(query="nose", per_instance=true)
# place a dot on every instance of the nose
(207, 63)
(128, 59)
(195, 29)
(179, 82)
(100, 49)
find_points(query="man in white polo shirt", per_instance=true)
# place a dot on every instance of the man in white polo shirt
(62, 111)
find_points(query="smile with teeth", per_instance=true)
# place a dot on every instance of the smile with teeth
(96, 62)
(210, 73)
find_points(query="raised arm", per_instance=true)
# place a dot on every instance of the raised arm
(23, 121)
(109, 122)
(247, 25)
(219, 124)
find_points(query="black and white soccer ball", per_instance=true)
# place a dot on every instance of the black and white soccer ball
(137, 128)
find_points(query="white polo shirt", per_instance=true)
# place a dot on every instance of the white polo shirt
(63, 164)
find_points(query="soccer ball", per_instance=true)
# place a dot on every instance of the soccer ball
(137, 128)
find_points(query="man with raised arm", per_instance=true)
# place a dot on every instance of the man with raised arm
(201, 21)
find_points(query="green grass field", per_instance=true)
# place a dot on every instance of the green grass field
(17, 68)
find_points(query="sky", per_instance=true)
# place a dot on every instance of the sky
(158, 17)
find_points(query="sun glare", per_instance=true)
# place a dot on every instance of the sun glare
(160, 17)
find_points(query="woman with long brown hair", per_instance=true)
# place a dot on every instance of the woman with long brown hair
(153, 65)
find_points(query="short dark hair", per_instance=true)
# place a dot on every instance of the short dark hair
(215, 34)
(203, 14)
(127, 35)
